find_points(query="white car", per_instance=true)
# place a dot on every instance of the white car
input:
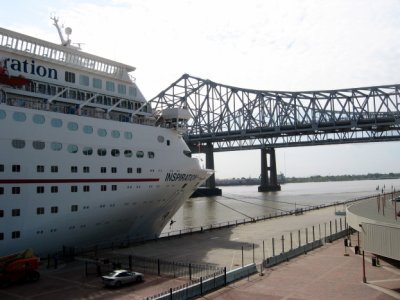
(120, 277)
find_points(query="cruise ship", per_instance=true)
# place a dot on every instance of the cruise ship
(84, 159)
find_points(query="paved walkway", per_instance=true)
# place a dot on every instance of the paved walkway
(324, 273)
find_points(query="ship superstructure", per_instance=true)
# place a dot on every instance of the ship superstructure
(84, 159)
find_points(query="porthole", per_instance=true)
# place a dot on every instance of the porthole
(101, 152)
(128, 135)
(56, 122)
(18, 144)
(150, 154)
(72, 126)
(160, 138)
(2, 114)
(38, 119)
(72, 148)
(115, 152)
(128, 153)
(102, 132)
(19, 116)
(38, 145)
(115, 134)
(87, 151)
(139, 154)
(56, 146)
(88, 129)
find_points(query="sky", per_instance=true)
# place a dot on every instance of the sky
(258, 44)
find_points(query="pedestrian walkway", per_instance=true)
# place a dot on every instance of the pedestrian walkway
(325, 273)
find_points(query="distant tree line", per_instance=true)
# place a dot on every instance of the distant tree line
(316, 178)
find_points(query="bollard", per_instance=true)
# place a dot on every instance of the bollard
(291, 241)
(273, 247)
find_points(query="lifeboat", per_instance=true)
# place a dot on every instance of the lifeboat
(12, 80)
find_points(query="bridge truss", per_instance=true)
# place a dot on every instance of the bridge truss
(233, 118)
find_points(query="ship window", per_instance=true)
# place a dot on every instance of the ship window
(15, 212)
(18, 144)
(128, 153)
(1, 168)
(15, 234)
(87, 151)
(115, 134)
(168, 142)
(115, 152)
(54, 169)
(74, 169)
(129, 170)
(74, 207)
(38, 145)
(72, 148)
(1, 236)
(113, 170)
(103, 188)
(15, 190)
(88, 129)
(40, 210)
(56, 122)
(101, 152)
(16, 168)
(102, 132)
(103, 170)
(56, 146)
(40, 189)
(84, 80)
(114, 187)
(138, 170)
(1, 213)
(40, 169)
(132, 91)
(139, 154)
(2, 114)
(54, 189)
(121, 89)
(86, 169)
(128, 135)
(97, 83)
(69, 77)
(110, 86)
(74, 189)
(38, 119)
(19, 116)
(86, 188)
(150, 154)
(1, 190)
(72, 126)
(160, 138)
(54, 209)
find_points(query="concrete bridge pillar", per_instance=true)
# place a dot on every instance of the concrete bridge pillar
(210, 189)
(269, 182)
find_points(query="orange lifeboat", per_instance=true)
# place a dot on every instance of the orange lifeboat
(12, 80)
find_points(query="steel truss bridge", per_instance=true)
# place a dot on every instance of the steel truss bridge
(232, 118)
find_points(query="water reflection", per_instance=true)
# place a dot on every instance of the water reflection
(239, 202)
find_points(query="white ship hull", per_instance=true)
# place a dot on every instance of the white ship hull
(69, 180)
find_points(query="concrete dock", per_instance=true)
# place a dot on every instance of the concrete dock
(324, 273)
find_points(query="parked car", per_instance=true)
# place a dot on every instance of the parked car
(397, 199)
(120, 277)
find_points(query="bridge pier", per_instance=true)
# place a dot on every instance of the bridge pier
(210, 189)
(268, 183)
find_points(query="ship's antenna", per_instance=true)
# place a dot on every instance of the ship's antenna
(65, 42)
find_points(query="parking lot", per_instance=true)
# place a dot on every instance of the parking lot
(69, 282)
